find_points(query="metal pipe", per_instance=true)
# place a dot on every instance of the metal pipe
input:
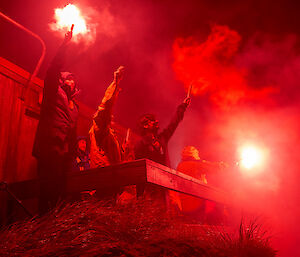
(37, 67)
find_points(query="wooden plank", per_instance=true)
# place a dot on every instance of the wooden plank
(130, 173)
(172, 179)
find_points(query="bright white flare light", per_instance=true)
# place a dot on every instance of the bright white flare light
(251, 157)
(67, 16)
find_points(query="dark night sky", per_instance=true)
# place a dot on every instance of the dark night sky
(140, 35)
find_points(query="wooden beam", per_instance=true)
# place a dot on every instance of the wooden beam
(130, 173)
(174, 180)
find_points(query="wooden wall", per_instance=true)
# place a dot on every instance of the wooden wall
(19, 119)
(18, 122)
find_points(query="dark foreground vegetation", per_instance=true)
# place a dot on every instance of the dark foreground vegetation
(95, 228)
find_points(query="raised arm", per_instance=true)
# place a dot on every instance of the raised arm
(170, 129)
(51, 81)
(102, 117)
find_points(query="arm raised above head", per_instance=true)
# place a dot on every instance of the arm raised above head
(51, 81)
(170, 129)
(103, 115)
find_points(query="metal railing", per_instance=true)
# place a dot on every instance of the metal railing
(38, 65)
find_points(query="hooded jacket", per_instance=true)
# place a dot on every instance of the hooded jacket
(105, 148)
(157, 149)
(56, 131)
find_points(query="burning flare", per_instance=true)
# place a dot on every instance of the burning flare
(71, 14)
(251, 157)
(67, 16)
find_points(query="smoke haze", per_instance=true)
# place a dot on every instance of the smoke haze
(243, 59)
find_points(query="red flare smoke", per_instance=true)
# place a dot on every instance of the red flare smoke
(211, 67)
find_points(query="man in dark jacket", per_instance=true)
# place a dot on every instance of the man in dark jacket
(154, 145)
(56, 132)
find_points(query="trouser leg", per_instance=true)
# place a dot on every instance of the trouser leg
(51, 176)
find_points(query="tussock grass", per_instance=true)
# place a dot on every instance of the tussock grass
(141, 228)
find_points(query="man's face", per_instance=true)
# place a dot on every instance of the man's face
(82, 145)
(190, 152)
(195, 154)
(151, 126)
(71, 83)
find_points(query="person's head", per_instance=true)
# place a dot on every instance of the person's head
(190, 153)
(82, 144)
(68, 81)
(148, 124)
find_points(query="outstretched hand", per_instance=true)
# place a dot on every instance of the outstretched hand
(118, 74)
(68, 35)
(223, 165)
(187, 101)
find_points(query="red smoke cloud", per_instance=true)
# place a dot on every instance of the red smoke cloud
(258, 81)
(211, 67)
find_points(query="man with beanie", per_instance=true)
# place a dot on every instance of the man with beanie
(56, 132)
(154, 144)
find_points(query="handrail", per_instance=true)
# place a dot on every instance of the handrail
(37, 67)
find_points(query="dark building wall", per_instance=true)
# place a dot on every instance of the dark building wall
(18, 122)
(19, 119)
